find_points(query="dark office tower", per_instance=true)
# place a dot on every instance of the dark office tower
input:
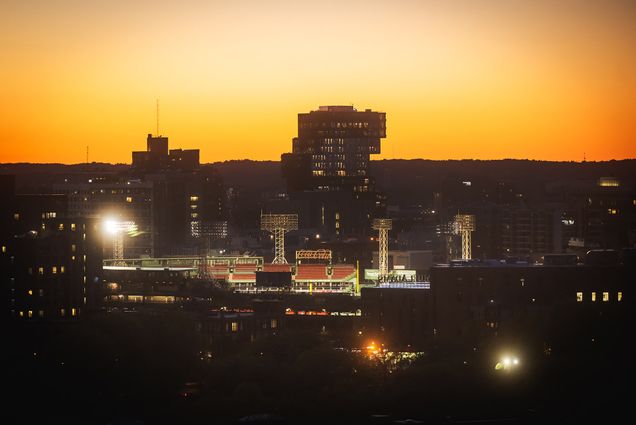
(187, 202)
(157, 157)
(331, 152)
(327, 172)
(157, 144)
(50, 264)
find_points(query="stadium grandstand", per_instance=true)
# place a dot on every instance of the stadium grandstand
(314, 273)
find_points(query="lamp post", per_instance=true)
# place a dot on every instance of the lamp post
(116, 229)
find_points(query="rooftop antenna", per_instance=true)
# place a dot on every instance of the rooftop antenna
(157, 117)
(87, 154)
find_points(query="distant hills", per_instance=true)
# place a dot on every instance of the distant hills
(392, 176)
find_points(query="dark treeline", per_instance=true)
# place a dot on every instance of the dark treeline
(136, 366)
(392, 176)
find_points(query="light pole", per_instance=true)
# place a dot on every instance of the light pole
(116, 229)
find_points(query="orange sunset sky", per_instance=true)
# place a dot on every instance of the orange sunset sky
(458, 79)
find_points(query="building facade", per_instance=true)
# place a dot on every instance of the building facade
(50, 264)
(327, 172)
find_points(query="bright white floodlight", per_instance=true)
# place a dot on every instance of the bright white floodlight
(111, 227)
(116, 230)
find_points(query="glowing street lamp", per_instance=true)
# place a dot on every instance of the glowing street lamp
(372, 349)
(507, 363)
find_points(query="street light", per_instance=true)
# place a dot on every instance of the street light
(507, 362)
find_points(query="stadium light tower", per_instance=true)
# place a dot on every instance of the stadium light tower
(116, 230)
(383, 225)
(279, 224)
(464, 226)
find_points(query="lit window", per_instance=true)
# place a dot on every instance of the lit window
(579, 297)
(4, 249)
(129, 199)
(235, 326)
(593, 296)
(73, 312)
(40, 270)
(30, 292)
(62, 269)
(61, 226)
(62, 312)
(194, 198)
(274, 324)
(16, 216)
(194, 215)
(54, 270)
(620, 296)
(30, 313)
(605, 296)
(608, 182)
(73, 226)
(73, 248)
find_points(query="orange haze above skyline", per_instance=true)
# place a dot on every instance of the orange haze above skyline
(543, 79)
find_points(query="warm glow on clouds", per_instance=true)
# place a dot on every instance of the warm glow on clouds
(457, 79)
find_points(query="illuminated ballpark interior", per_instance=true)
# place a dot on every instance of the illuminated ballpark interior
(313, 272)
(326, 172)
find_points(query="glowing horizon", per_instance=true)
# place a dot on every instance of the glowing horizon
(458, 79)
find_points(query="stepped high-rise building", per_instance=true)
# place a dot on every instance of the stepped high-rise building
(327, 172)
(332, 150)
